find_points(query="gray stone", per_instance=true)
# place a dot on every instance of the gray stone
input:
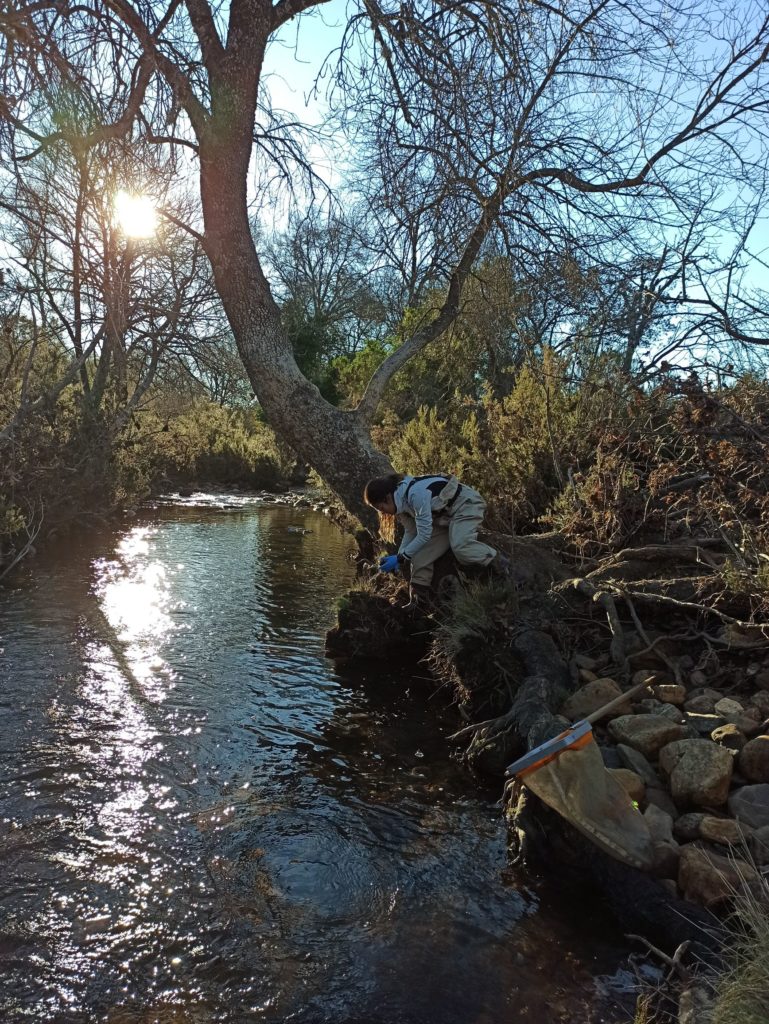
(687, 828)
(702, 705)
(672, 713)
(704, 724)
(748, 725)
(698, 677)
(726, 707)
(760, 701)
(636, 762)
(761, 679)
(699, 771)
(750, 804)
(660, 824)
(646, 733)
(661, 798)
(648, 705)
(753, 759)
(729, 736)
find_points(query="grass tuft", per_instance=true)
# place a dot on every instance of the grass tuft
(742, 991)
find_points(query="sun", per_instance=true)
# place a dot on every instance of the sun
(136, 215)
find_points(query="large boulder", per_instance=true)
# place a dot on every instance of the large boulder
(645, 733)
(754, 759)
(750, 805)
(710, 879)
(700, 772)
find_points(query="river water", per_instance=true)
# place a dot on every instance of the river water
(202, 819)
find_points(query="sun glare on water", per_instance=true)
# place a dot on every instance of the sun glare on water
(136, 215)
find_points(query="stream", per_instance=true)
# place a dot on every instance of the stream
(203, 819)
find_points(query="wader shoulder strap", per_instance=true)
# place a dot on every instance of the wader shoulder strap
(435, 488)
(432, 476)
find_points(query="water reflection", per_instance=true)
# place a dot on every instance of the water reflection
(203, 821)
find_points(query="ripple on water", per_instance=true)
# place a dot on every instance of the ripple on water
(203, 821)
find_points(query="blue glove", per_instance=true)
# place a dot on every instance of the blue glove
(388, 563)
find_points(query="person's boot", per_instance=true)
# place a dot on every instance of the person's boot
(419, 598)
(501, 566)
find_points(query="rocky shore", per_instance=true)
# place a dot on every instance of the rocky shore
(522, 661)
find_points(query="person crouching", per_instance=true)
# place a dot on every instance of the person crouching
(438, 513)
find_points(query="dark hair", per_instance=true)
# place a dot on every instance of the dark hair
(380, 487)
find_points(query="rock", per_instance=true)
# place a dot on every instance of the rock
(729, 736)
(699, 770)
(661, 799)
(643, 675)
(687, 828)
(704, 724)
(702, 705)
(648, 706)
(750, 805)
(611, 758)
(590, 697)
(585, 661)
(759, 846)
(725, 831)
(637, 763)
(671, 712)
(760, 701)
(728, 709)
(632, 783)
(761, 679)
(660, 824)
(698, 677)
(667, 856)
(645, 733)
(587, 675)
(670, 693)
(753, 759)
(748, 726)
(669, 886)
(709, 878)
(753, 714)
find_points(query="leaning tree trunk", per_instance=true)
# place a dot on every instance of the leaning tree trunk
(334, 442)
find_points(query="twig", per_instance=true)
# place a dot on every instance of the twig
(606, 601)
(672, 665)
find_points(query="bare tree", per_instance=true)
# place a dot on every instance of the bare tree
(114, 306)
(518, 118)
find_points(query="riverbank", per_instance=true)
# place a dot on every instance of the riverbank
(521, 662)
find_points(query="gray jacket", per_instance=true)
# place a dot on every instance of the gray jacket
(418, 502)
